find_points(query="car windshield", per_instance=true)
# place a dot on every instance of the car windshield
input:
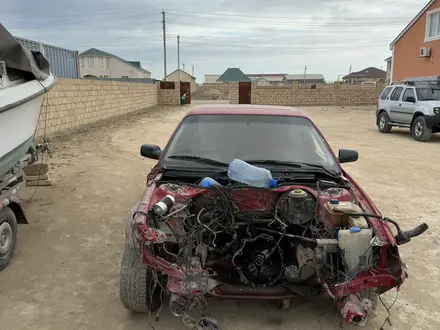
(428, 93)
(258, 138)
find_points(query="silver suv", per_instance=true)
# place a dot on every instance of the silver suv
(414, 104)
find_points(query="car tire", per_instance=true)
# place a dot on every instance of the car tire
(420, 131)
(138, 290)
(383, 123)
(8, 236)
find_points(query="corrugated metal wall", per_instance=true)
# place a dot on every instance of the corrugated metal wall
(63, 62)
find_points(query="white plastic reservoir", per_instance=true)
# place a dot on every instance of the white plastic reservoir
(355, 242)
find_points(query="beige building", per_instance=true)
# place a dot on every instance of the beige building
(266, 79)
(99, 64)
(211, 78)
(184, 76)
(369, 75)
(388, 77)
(258, 78)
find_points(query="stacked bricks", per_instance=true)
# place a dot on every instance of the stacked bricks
(233, 93)
(169, 96)
(73, 103)
(322, 95)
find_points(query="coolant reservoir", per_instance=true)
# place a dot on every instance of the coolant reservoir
(342, 195)
(334, 208)
(355, 242)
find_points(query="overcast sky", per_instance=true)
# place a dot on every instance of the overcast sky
(259, 36)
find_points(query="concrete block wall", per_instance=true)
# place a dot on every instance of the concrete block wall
(233, 93)
(293, 95)
(169, 96)
(73, 103)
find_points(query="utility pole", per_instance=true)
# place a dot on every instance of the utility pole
(349, 70)
(164, 47)
(305, 74)
(183, 67)
(178, 58)
(192, 71)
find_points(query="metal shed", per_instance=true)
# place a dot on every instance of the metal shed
(63, 62)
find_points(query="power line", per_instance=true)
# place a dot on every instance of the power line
(284, 40)
(295, 23)
(88, 14)
(159, 38)
(267, 46)
(308, 22)
(284, 48)
(109, 19)
(383, 27)
(108, 45)
(285, 17)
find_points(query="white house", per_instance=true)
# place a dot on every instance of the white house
(99, 64)
(258, 78)
(184, 76)
(267, 78)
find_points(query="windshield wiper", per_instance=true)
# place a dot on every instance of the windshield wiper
(199, 160)
(273, 162)
(294, 164)
(332, 172)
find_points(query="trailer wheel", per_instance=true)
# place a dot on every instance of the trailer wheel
(138, 290)
(8, 236)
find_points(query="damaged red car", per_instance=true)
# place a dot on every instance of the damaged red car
(312, 231)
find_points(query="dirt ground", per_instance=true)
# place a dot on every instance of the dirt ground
(66, 270)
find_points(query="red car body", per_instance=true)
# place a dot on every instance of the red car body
(388, 273)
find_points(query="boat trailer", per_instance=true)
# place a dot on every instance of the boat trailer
(11, 212)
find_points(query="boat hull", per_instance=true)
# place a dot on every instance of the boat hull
(19, 120)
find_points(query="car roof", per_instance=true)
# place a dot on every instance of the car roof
(245, 109)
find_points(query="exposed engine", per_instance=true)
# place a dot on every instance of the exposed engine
(252, 237)
(243, 242)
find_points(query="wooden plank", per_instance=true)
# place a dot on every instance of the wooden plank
(36, 177)
(38, 183)
(36, 169)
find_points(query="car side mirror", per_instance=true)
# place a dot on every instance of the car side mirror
(411, 99)
(150, 151)
(348, 156)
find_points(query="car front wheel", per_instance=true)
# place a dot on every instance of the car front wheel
(139, 289)
(383, 123)
(420, 131)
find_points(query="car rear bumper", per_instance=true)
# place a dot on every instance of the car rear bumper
(432, 121)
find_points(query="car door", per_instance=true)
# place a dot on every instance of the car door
(395, 108)
(384, 98)
(408, 105)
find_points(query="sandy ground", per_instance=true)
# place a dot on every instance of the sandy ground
(66, 271)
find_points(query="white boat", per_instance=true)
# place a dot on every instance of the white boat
(24, 79)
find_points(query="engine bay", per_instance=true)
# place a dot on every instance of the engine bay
(244, 242)
(260, 237)
(260, 247)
